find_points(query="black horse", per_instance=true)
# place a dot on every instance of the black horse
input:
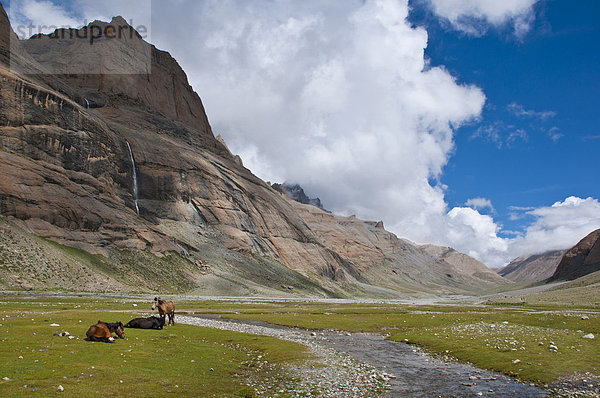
(152, 322)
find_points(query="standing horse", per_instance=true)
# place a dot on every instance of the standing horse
(102, 331)
(164, 307)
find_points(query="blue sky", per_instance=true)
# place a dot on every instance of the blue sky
(466, 123)
(553, 72)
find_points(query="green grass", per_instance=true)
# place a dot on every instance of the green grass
(180, 360)
(489, 337)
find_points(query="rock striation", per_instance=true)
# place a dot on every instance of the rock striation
(124, 169)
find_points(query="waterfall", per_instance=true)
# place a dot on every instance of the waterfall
(87, 103)
(135, 185)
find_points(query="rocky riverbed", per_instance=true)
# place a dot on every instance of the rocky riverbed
(361, 365)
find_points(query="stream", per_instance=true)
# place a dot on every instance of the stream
(408, 371)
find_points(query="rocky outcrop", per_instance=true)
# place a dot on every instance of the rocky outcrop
(296, 192)
(533, 268)
(120, 66)
(581, 260)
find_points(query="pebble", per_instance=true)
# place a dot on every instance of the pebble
(588, 336)
(336, 375)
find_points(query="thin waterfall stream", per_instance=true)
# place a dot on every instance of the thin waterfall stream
(87, 103)
(135, 184)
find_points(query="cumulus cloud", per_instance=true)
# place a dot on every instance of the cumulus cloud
(480, 204)
(336, 96)
(555, 227)
(559, 226)
(473, 17)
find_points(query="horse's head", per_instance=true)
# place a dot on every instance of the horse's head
(155, 303)
(120, 331)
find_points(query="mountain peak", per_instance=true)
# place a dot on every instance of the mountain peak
(296, 192)
(114, 66)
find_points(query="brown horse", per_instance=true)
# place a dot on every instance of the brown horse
(102, 331)
(164, 307)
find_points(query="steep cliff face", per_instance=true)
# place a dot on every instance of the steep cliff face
(533, 268)
(126, 166)
(581, 260)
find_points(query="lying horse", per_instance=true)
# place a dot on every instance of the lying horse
(152, 322)
(164, 307)
(102, 331)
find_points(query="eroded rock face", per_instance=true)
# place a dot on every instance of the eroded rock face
(582, 259)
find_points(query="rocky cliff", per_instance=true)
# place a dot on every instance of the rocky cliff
(533, 268)
(581, 260)
(119, 176)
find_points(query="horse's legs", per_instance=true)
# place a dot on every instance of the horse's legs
(99, 339)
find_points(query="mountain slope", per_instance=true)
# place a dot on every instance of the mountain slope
(581, 260)
(81, 154)
(533, 268)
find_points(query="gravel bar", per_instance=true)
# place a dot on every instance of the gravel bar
(333, 374)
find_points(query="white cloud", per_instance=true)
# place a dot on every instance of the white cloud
(29, 17)
(480, 204)
(555, 227)
(559, 226)
(338, 97)
(500, 134)
(519, 110)
(474, 16)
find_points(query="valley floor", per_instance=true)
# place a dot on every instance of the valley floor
(286, 348)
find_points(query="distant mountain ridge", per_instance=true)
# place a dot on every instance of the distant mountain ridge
(533, 268)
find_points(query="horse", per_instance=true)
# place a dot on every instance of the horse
(102, 331)
(164, 307)
(152, 322)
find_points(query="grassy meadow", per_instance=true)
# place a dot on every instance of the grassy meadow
(179, 360)
(537, 344)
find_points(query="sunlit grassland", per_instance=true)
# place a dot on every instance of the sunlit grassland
(180, 360)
